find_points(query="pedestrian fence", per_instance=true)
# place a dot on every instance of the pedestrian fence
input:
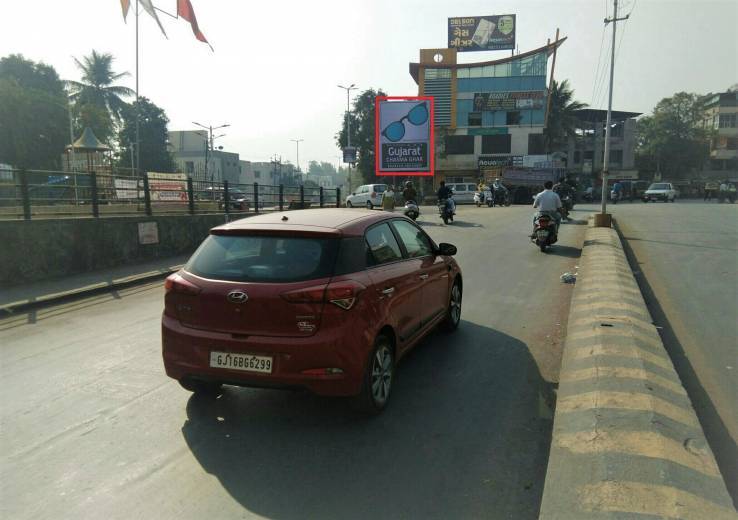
(30, 194)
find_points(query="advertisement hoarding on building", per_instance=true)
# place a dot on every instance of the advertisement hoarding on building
(404, 135)
(525, 100)
(482, 33)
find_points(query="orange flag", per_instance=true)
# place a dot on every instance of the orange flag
(184, 9)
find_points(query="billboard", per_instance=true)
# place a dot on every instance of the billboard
(168, 187)
(524, 100)
(482, 33)
(403, 135)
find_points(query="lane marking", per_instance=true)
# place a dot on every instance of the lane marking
(649, 499)
(627, 401)
(622, 372)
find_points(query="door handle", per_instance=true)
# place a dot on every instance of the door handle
(423, 276)
(388, 290)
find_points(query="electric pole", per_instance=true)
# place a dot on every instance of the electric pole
(348, 125)
(209, 141)
(297, 143)
(606, 159)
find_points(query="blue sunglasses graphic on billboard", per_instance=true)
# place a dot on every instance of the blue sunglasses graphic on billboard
(404, 131)
(417, 116)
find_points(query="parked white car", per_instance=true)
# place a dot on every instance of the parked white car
(660, 191)
(367, 195)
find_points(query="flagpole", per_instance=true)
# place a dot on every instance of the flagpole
(138, 142)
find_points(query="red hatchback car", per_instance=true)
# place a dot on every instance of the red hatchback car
(324, 299)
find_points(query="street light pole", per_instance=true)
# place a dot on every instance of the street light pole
(348, 123)
(209, 143)
(297, 143)
(606, 158)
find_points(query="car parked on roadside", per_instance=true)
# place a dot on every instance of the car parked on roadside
(327, 300)
(463, 192)
(367, 195)
(660, 191)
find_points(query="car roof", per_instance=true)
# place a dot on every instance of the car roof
(323, 221)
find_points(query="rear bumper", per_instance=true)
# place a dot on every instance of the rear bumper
(186, 353)
(656, 196)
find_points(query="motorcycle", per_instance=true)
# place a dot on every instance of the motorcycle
(483, 197)
(411, 210)
(566, 206)
(445, 210)
(501, 198)
(545, 233)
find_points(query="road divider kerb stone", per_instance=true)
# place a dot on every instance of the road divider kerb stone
(625, 433)
(86, 291)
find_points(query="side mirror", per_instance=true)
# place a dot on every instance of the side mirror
(446, 249)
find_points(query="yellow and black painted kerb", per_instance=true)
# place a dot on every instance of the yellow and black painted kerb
(626, 440)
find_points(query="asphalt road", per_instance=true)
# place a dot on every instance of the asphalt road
(687, 255)
(92, 428)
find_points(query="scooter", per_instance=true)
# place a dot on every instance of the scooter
(445, 210)
(545, 233)
(483, 197)
(501, 198)
(411, 210)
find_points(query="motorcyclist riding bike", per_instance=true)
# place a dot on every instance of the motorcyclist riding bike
(564, 191)
(548, 203)
(499, 192)
(409, 192)
(445, 194)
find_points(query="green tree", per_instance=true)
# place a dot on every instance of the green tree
(153, 123)
(98, 88)
(362, 135)
(33, 114)
(562, 119)
(673, 139)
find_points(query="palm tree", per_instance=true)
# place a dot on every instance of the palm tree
(98, 84)
(561, 119)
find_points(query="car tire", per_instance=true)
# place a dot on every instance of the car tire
(369, 205)
(378, 378)
(348, 204)
(453, 313)
(197, 387)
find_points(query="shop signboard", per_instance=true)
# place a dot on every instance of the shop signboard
(482, 33)
(486, 162)
(168, 187)
(404, 135)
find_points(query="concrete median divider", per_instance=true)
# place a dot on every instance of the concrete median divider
(626, 440)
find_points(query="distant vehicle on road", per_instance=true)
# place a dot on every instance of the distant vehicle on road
(463, 192)
(368, 195)
(237, 199)
(328, 300)
(660, 191)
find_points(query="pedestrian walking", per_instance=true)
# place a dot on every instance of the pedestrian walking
(388, 199)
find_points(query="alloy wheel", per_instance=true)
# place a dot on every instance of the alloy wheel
(455, 311)
(381, 378)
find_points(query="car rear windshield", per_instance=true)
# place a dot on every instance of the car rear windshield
(379, 188)
(659, 187)
(260, 258)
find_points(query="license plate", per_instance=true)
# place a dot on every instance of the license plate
(543, 234)
(245, 362)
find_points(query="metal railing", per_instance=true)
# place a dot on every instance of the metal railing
(27, 194)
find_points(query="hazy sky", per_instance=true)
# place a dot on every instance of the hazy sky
(276, 64)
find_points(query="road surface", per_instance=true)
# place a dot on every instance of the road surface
(687, 255)
(92, 428)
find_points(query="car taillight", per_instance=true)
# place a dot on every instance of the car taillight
(543, 222)
(342, 294)
(175, 283)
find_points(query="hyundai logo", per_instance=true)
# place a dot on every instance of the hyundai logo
(237, 296)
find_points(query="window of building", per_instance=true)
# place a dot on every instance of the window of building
(459, 144)
(189, 167)
(257, 175)
(475, 72)
(616, 156)
(727, 120)
(462, 73)
(536, 145)
(475, 119)
(588, 155)
(496, 143)
(512, 117)
(437, 73)
(732, 143)
(577, 157)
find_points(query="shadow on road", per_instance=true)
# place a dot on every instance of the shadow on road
(718, 436)
(565, 251)
(466, 436)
